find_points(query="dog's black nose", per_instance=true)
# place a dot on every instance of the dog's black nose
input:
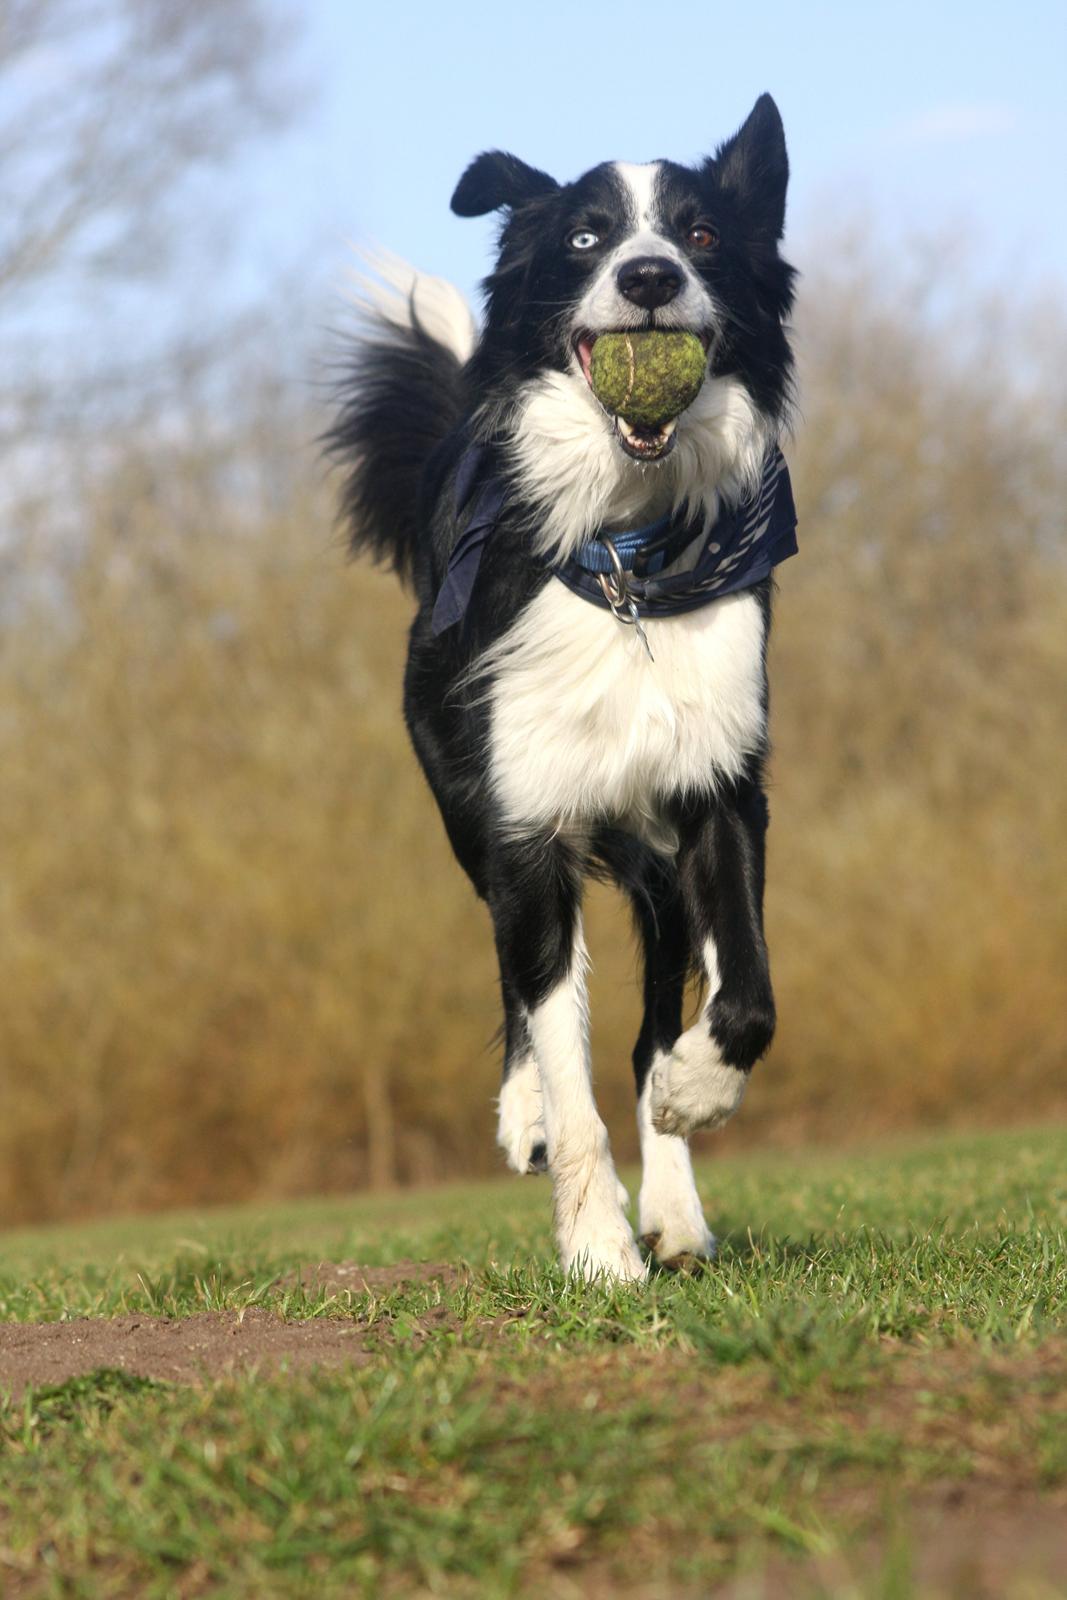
(649, 281)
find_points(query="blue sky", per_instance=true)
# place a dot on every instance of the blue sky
(918, 116)
(916, 120)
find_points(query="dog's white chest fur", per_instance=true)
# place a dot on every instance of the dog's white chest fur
(586, 727)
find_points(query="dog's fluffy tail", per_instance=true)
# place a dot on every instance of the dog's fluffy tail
(400, 395)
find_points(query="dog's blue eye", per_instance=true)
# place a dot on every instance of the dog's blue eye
(583, 239)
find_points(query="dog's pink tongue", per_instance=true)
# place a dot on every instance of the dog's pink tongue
(585, 355)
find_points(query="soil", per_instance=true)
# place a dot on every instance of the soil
(175, 1350)
(214, 1344)
(975, 1541)
(998, 1535)
(338, 1277)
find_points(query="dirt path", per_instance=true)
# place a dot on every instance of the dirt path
(338, 1277)
(214, 1344)
(181, 1350)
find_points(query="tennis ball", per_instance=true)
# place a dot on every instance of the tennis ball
(647, 377)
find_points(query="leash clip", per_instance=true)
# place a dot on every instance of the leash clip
(615, 587)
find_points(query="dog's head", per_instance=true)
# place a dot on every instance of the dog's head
(636, 247)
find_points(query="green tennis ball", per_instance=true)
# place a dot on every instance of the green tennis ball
(648, 377)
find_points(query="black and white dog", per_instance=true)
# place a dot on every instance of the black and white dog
(586, 685)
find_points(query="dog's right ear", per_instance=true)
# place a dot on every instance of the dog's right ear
(496, 179)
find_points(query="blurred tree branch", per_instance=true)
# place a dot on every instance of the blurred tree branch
(107, 106)
(109, 110)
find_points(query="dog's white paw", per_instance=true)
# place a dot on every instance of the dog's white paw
(677, 1246)
(607, 1259)
(595, 1239)
(520, 1120)
(693, 1087)
(670, 1218)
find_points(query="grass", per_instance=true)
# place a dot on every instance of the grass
(869, 1383)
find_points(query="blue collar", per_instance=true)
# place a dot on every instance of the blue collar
(593, 557)
(739, 550)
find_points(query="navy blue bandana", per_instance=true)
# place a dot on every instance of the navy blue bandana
(454, 595)
(741, 548)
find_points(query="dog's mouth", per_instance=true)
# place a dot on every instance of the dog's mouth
(641, 442)
(644, 443)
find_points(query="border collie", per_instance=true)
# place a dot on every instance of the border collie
(586, 685)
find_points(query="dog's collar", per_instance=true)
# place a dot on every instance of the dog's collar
(624, 571)
(645, 550)
(742, 546)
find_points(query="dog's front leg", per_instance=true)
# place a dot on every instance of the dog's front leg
(720, 863)
(537, 917)
(670, 1217)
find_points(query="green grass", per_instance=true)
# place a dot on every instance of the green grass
(882, 1336)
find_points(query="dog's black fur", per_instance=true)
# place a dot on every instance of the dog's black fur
(411, 408)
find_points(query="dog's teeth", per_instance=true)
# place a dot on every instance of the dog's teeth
(644, 443)
(663, 434)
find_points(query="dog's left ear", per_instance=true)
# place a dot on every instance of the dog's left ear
(496, 179)
(754, 166)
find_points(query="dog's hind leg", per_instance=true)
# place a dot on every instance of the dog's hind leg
(520, 1120)
(520, 1125)
(720, 865)
(534, 898)
(670, 1217)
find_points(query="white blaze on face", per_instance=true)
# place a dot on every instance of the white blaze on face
(640, 182)
(603, 306)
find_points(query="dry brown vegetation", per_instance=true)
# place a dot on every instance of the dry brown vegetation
(237, 956)
(918, 907)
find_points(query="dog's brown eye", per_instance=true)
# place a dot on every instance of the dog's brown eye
(701, 236)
